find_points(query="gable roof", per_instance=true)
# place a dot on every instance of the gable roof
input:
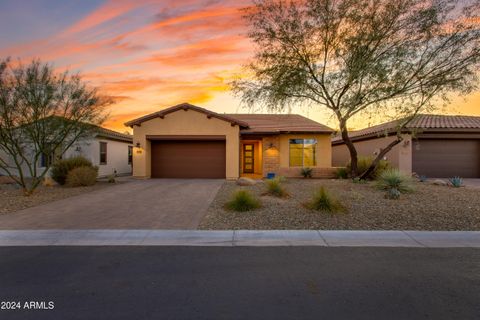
(183, 106)
(425, 122)
(279, 123)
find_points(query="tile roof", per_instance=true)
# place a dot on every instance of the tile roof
(279, 123)
(110, 134)
(428, 122)
(249, 123)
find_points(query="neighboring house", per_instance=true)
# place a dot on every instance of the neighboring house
(435, 146)
(111, 151)
(186, 141)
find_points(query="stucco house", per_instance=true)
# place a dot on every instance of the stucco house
(186, 141)
(111, 151)
(436, 146)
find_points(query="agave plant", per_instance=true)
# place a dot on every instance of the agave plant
(456, 182)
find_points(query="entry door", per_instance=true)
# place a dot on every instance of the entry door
(248, 158)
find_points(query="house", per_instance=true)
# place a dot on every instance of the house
(437, 146)
(111, 151)
(186, 141)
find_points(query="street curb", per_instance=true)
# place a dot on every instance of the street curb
(235, 238)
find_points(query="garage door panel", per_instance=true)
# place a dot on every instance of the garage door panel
(188, 159)
(447, 158)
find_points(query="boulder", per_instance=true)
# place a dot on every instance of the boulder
(243, 181)
(439, 182)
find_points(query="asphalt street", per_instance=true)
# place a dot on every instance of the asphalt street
(239, 283)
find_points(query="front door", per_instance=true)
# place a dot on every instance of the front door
(248, 158)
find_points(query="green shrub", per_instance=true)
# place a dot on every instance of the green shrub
(306, 172)
(394, 179)
(456, 182)
(323, 201)
(243, 200)
(82, 176)
(61, 168)
(341, 173)
(275, 188)
(365, 162)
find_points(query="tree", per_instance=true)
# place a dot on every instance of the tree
(354, 57)
(42, 114)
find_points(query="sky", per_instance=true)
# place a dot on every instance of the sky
(149, 54)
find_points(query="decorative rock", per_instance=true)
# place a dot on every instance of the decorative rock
(243, 181)
(439, 182)
(49, 182)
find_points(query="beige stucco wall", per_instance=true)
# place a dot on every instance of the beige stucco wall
(399, 157)
(277, 160)
(184, 123)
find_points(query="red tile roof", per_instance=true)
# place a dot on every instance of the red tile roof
(426, 122)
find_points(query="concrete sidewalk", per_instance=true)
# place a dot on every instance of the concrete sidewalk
(230, 238)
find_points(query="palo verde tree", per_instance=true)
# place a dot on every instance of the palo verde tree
(42, 114)
(353, 57)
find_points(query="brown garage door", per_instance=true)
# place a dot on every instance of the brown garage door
(188, 159)
(447, 158)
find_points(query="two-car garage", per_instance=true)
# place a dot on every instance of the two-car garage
(188, 158)
(443, 158)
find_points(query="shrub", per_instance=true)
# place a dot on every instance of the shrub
(243, 201)
(323, 201)
(359, 181)
(82, 176)
(341, 173)
(275, 188)
(394, 179)
(306, 172)
(456, 182)
(111, 178)
(61, 168)
(364, 163)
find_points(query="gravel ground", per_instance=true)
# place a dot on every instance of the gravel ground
(430, 207)
(12, 198)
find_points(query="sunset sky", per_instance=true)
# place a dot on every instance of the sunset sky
(147, 54)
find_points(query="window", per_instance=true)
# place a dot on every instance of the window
(302, 152)
(46, 160)
(130, 154)
(103, 153)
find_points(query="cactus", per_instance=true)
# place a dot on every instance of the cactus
(393, 193)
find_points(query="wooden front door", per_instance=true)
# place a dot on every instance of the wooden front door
(248, 158)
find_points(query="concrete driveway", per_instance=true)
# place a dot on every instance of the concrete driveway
(137, 204)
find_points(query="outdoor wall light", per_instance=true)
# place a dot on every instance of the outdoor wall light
(271, 146)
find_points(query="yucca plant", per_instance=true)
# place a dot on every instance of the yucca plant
(394, 179)
(242, 201)
(323, 201)
(275, 188)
